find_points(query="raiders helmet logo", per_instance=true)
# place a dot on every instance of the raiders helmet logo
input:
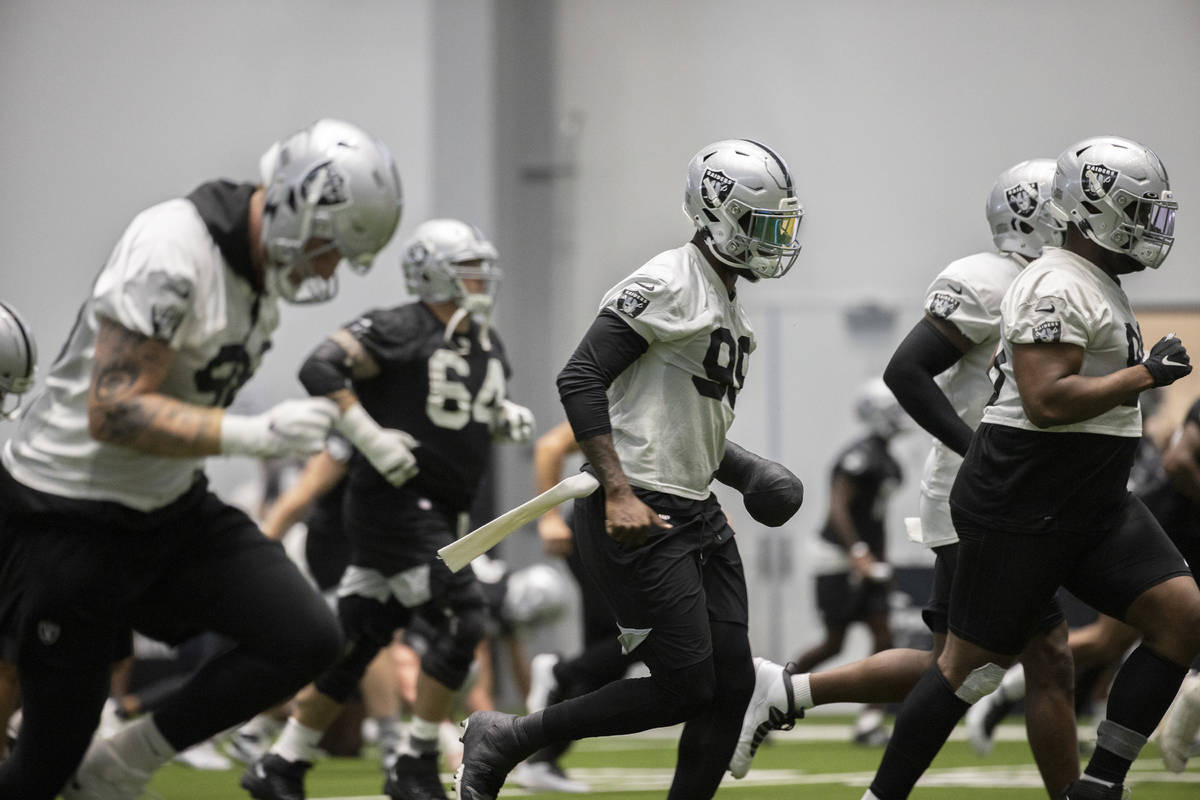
(166, 320)
(715, 187)
(631, 303)
(1022, 199)
(943, 305)
(1097, 180)
(333, 191)
(1049, 331)
(48, 632)
(418, 253)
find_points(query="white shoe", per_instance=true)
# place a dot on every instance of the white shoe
(541, 681)
(204, 756)
(1180, 727)
(770, 709)
(102, 775)
(979, 725)
(548, 776)
(250, 742)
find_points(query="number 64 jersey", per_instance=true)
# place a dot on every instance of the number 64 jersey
(671, 408)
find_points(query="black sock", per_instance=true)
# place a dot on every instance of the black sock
(928, 715)
(1141, 693)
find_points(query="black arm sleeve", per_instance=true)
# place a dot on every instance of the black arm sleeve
(607, 349)
(924, 354)
(326, 369)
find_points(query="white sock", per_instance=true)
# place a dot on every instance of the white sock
(141, 745)
(423, 734)
(1012, 685)
(1094, 779)
(297, 742)
(869, 795)
(801, 693)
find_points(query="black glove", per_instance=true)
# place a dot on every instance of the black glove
(770, 492)
(1168, 361)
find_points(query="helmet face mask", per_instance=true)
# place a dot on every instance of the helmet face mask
(442, 255)
(1018, 209)
(18, 360)
(1117, 193)
(331, 182)
(739, 194)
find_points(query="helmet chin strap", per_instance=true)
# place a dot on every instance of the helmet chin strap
(461, 313)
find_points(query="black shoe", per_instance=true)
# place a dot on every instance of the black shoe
(491, 749)
(414, 776)
(273, 777)
(1090, 790)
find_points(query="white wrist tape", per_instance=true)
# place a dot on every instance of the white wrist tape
(243, 436)
(357, 426)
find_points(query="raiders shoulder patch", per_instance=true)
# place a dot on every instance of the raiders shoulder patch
(1049, 331)
(631, 302)
(943, 305)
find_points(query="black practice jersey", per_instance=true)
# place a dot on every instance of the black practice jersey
(443, 393)
(875, 475)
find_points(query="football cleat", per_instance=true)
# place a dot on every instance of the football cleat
(273, 777)
(414, 776)
(490, 751)
(770, 709)
(204, 756)
(1090, 790)
(1181, 724)
(982, 719)
(542, 683)
(547, 776)
(103, 775)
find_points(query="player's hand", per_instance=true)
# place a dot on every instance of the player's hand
(556, 535)
(511, 423)
(1168, 361)
(291, 428)
(388, 450)
(628, 520)
(863, 564)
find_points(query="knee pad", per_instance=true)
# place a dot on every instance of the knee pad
(981, 682)
(450, 653)
(342, 679)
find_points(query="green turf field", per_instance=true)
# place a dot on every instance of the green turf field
(814, 762)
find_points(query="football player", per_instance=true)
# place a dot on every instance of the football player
(422, 392)
(650, 394)
(108, 523)
(939, 375)
(1040, 500)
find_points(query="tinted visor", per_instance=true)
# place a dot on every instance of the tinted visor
(774, 228)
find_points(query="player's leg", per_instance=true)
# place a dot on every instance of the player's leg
(1001, 586)
(1050, 703)
(657, 594)
(459, 620)
(868, 725)
(835, 602)
(1181, 725)
(1135, 573)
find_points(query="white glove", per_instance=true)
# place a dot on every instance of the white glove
(511, 423)
(291, 428)
(390, 451)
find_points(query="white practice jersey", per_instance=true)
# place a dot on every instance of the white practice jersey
(166, 279)
(1063, 297)
(967, 294)
(671, 408)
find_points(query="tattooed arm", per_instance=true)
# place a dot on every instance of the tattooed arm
(125, 407)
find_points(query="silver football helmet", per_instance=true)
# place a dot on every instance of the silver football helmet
(331, 181)
(535, 595)
(879, 410)
(18, 360)
(1117, 193)
(441, 254)
(1017, 209)
(740, 194)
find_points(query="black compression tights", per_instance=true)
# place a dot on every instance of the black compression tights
(710, 697)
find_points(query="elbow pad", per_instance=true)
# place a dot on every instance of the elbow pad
(771, 493)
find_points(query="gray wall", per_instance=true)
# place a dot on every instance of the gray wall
(563, 128)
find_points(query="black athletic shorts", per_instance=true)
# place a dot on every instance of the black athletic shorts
(666, 592)
(843, 599)
(79, 574)
(393, 532)
(1004, 580)
(937, 611)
